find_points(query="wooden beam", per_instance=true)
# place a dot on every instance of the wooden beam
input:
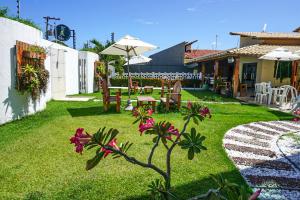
(203, 69)
(294, 73)
(236, 72)
(216, 69)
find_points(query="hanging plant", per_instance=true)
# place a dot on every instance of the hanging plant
(33, 80)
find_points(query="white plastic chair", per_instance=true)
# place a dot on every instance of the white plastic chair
(257, 92)
(282, 96)
(264, 92)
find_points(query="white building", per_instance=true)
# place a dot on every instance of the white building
(61, 62)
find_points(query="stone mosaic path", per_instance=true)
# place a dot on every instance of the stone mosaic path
(256, 150)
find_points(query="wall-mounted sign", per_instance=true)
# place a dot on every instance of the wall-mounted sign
(62, 32)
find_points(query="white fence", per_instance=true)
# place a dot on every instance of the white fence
(159, 75)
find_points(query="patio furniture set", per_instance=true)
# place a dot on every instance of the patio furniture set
(169, 96)
(265, 93)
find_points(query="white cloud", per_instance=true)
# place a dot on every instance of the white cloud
(191, 9)
(145, 22)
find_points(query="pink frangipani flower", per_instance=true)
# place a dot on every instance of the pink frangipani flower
(147, 125)
(296, 119)
(135, 112)
(150, 112)
(205, 112)
(113, 144)
(80, 139)
(172, 131)
(189, 105)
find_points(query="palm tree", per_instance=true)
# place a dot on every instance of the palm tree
(98, 47)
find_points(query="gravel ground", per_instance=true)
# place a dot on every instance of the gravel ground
(268, 156)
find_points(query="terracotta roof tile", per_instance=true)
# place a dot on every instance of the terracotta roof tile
(252, 50)
(291, 35)
(199, 52)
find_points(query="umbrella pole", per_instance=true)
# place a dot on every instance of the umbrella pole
(128, 75)
(129, 106)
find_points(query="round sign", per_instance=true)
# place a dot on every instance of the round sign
(62, 32)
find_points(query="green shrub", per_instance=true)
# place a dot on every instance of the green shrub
(123, 82)
(4, 13)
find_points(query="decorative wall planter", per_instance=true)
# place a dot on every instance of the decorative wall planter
(32, 77)
(34, 55)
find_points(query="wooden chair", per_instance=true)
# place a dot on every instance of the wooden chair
(107, 98)
(173, 97)
(165, 87)
(133, 85)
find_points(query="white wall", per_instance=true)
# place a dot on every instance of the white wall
(90, 58)
(70, 65)
(14, 105)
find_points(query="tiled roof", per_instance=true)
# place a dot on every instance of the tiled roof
(297, 30)
(262, 35)
(199, 52)
(252, 50)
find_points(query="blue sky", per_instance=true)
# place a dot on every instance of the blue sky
(165, 22)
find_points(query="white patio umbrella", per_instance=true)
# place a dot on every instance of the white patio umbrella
(280, 54)
(140, 59)
(128, 46)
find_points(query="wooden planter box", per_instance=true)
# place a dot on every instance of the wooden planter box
(34, 55)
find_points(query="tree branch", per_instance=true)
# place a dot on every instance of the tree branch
(135, 161)
(168, 161)
(152, 150)
(166, 146)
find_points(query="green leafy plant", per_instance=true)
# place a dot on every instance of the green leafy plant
(33, 80)
(3, 11)
(227, 191)
(115, 60)
(161, 133)
(37, 49)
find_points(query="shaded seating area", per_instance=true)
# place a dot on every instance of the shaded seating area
(173, 97)
(108, 98)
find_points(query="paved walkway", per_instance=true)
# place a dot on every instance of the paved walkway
(255, 151)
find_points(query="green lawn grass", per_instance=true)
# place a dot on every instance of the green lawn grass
(37, 161)
(193, 95)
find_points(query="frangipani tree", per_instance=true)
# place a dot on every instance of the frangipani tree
(104, 141)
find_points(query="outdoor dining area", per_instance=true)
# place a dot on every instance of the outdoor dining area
(170, 95)
(282, 96)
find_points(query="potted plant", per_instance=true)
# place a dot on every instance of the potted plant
(33, 80)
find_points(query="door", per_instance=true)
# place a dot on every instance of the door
(82, 76)
(249, 74)
(58, 83)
